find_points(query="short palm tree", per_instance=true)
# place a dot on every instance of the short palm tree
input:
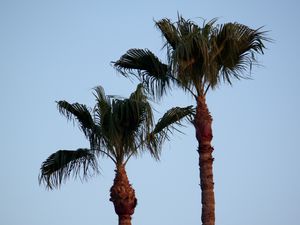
(116, 128)
(199, 59)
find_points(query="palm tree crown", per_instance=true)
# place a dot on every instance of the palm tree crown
(199, 58)
(116, 128)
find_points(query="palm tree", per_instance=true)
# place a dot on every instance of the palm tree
(118, 129)
(199, 59)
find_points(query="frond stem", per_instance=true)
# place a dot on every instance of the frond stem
(178, 81)
(131, 154)
(206, 90)
(128, 158)
(108, 155)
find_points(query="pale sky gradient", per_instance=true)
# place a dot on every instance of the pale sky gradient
(55, 50)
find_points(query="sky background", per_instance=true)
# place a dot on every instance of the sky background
(60, 50)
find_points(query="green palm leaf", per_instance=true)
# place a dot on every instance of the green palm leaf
(172, 117)
(235, 47)
(102, 117)
(77, 112)
(165, 126)
(103, 104)
(65, 163)
(169, 31)
(150, 70)
(139, 97)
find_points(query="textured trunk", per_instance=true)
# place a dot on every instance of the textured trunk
(203, 126)
(123, 196)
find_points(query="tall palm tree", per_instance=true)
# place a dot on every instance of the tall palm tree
(118, 129)
(199, 59)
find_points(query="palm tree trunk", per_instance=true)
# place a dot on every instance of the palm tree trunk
(203, 126)
(123, 196)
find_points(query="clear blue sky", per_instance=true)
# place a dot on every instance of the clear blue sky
(54, 50)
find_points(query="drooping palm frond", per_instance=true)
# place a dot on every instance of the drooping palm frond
(77, 112)
(169, 32)
(166, 124)
(172, 117)
(144, 65)
(235, 47)
(141, 59)
(63, 164)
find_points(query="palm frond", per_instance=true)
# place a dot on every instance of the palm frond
(99, 94)
(145, 66)
(173, 117)
(102, 109)
(237, 46)
(77, 112)
(144, 109)
(63, 164)
(140, 99)
(169, 32)
(165, 126)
